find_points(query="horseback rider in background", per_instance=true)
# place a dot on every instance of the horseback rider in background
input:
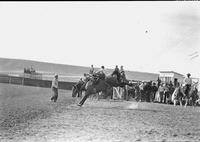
(188, 84)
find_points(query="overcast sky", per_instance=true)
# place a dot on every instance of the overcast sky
(142, 36)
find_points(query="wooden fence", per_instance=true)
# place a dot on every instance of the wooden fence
(34, 82)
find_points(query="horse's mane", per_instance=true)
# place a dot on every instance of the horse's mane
(193, 88)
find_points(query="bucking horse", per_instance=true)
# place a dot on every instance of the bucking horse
(98, 84)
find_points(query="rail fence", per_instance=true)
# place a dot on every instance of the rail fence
(34, 82)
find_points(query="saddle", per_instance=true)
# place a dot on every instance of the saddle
(97, 77)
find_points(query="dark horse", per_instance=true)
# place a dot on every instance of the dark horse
(102, 85)
(193, 96)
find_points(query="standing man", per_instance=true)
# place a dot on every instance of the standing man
(141, 86)
(147, 91)
(54, 87)
(159, 82)
(122, 72)
(161, 92)
(91, 70)
(123, 79)
(117, 73)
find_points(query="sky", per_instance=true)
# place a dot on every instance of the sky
(145, 36)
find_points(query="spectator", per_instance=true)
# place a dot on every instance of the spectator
(141, 86)
(147, 91)
(159, 82)
(166, 93)
(154, 90)
(117, 73)
(91, 70)
(122, 73)
(137, 92)
(161, 92)
(54, 88)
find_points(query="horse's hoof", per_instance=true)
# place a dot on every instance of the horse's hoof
(79, 105)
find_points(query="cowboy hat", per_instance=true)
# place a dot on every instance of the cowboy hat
(188, 74)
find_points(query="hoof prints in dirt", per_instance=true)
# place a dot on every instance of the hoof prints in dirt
(13, 118)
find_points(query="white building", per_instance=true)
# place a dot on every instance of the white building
(167, 76)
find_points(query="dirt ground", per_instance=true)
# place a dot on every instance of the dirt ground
(37, 119)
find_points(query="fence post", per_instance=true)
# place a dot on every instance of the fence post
(9, 79)
(23, 80)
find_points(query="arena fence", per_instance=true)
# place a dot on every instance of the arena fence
(34, 82)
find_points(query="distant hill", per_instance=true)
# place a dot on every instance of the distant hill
(18, 65)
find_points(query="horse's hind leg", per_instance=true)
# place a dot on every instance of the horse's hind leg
(181, 104)
(186, 102)
(174, 102)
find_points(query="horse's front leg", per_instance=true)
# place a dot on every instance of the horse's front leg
(180, 101)
(191, 101)
(186, 102)
(98, 96)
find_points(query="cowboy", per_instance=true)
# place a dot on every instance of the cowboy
(101, 73)
(54, 87)
(101, 70)
(87, 77)
(188, 84)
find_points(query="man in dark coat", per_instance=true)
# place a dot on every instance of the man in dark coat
(117, 73)
(147, 91)
(154, 90)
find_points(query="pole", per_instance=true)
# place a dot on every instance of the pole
(9, 79)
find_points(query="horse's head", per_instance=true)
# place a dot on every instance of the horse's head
(77, 88)
(114, 75)
(74, 90)
(193, 89)
(183, 87)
